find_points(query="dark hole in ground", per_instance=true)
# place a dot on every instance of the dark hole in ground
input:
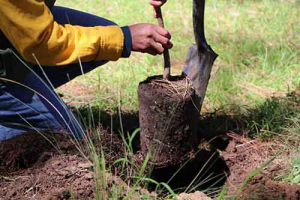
(206, 171)
(208, 167)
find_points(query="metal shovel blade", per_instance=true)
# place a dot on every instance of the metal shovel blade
(200, 57)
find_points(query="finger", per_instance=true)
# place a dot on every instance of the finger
(160, 39)
(164, 41)
(151, 52)
(169, 45)
(157, 2)
(163, 32)
(157, 47)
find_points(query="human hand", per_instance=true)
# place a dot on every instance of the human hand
(156, 4)
(149, 38)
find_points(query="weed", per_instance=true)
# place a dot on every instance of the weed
(272, 117)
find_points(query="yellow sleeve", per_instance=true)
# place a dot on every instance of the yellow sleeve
(29, 26)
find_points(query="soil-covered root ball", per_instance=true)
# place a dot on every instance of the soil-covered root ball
(165, 114)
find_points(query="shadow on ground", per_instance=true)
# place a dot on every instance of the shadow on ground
(206, 170)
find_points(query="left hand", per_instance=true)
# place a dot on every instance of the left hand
(157, 3)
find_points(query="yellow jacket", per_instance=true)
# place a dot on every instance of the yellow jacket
(29, 26)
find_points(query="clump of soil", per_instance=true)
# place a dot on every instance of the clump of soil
(165, 111)
(262, 188)
(23, 151)
(61, 177)
(243, 156)
(49, 166)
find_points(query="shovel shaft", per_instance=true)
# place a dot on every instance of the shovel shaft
(198, 23)
(167, 62)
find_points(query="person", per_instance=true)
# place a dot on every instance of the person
(43, 46)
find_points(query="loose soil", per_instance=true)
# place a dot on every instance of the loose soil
(32, 168)
(35, 166)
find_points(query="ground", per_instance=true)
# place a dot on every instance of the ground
(32, 167)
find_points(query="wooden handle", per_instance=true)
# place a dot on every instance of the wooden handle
(167, 62)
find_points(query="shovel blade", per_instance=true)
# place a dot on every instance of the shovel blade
(198, 68)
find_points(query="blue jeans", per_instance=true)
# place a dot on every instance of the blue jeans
(36, 106)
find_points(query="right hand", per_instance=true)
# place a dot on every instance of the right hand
(149, 38)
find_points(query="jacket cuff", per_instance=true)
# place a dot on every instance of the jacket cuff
(127, 42)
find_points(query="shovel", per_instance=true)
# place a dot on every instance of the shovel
(200, 57)
(198, 65)
(199, 62)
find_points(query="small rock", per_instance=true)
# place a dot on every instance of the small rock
(86, 165)
(62, 173)
(193, 196)
(88, 176)
(56, 163)
(72, 169)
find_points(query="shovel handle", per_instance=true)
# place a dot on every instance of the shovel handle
(167, 63)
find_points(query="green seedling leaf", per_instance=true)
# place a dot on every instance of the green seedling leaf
(145, 163)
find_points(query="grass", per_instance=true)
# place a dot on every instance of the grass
(274, 116)
(258, 44)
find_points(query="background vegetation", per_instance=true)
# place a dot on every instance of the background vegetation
(257, 42)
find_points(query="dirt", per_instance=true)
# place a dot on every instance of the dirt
(49, 166)
(31, 148)
(165, 108)
(58, 178)
(243, 156)
(33, 167)
(262, 188)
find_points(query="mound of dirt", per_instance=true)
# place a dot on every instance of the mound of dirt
(262, 188)
(49, 166)
(243, 156)
(61, 177)
(31, 148)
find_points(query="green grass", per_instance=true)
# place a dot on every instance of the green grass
(273, 117)
(257, 42)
